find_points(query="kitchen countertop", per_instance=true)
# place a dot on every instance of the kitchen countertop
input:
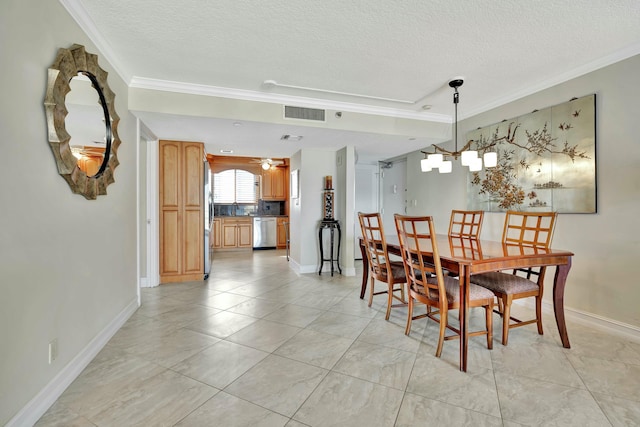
(248, 216)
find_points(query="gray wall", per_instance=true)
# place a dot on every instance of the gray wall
(345, 205)
(306, 212)
(68, 265)
(314, 166)
(603, 279)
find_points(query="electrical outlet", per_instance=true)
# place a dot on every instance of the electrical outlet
(53, 350)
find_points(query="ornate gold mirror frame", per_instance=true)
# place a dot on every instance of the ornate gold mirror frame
(67, 65)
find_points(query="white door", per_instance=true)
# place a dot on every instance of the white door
(366, 198)
(393, 183)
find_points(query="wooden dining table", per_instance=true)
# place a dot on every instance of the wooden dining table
(464, 257)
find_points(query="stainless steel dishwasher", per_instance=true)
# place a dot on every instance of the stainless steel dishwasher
(264, 232)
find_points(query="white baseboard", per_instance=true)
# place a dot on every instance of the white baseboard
(146, 283)
(294, 265)
(305, 269)
(37, 406)
(589, 319)
(350, 271)
(610, 325)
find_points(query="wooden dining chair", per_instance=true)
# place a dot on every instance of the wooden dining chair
(530, 231)
(465, 223)
(428, 285)
(381, 268)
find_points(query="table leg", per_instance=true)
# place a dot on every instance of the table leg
(365, 270)
(559, 282)
(321, 251)
(331, 229)
(339, 242)
(464, 316)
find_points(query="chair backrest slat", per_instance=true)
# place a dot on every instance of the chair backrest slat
(529, 228)
(533, 229)
(375, 244)
(465, 223)
(413, 234)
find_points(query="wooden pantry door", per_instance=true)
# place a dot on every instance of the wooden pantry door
(181, 202)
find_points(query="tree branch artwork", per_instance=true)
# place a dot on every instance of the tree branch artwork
(539, 167)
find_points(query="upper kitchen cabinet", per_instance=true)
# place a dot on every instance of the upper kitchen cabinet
(274, 183)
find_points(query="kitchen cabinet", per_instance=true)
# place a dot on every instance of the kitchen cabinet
(282, 222)
(181, 205)
(274, 184)
(236, 233)
(216, 231)
(245, 235)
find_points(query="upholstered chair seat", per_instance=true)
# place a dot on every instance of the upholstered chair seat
(505, 283)
(397, 270)
(452, 287)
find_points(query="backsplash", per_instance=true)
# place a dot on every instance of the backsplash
(262, 208)
(270, 208)
(234, 209)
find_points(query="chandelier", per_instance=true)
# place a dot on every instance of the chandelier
(468, 157)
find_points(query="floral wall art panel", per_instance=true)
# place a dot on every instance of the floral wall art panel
(546, 161)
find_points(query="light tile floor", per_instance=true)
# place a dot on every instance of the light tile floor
(258, 345)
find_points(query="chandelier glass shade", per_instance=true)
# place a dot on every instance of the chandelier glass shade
(490, 159)
(468, 157)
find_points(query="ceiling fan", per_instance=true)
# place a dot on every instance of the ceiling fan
(267, 164)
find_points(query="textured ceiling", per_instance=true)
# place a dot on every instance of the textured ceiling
(396, 56)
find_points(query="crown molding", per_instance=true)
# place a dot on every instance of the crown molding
(561, 78)
(82, 18)
(250, 95)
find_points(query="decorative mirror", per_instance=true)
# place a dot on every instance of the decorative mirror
(82, 122)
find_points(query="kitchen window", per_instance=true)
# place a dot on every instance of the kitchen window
(236, 186)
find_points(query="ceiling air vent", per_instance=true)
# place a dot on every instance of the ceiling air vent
(288, 137)
(302, 113)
